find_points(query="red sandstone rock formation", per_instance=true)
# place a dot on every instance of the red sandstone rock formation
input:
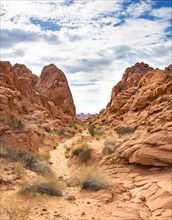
(27, 101)
(143, 100)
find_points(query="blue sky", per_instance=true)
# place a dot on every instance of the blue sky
(91, 41)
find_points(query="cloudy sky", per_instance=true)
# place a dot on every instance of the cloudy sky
(91, 41)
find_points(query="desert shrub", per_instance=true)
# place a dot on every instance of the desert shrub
(25, 107)
(28, 159)
(98, 132)
(166, 97)
(123, 102)
(16, 211)
(124, 130)
(17, 123)
(105, 122)
(45, 187)
(19, 169)
(83, 151)
(68, 133)
(85, 155)
(44, 156)
(110, 145)
(92, 178)
(42, 168)
(91, 129)
(8, 153)
(47, 129)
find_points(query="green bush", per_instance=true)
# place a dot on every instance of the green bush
(124, 130)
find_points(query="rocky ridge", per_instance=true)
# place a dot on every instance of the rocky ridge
(29, 103)
(142, 102)
(83, 116)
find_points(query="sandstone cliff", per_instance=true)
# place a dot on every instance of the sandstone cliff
(28, 102)
(142, 102)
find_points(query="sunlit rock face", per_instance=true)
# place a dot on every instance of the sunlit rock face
(142, 100)
(28, 102)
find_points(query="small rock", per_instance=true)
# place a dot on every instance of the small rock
(6, 169)
(56, 216)
(45, 210)
(60, 178)
(142, 198)
(70, 197)
(83, 213)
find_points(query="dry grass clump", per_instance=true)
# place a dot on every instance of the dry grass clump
(68, 132)
(96, 130)
(91, 129)
(11, 210)
(124, 130)
(92, 178)
(28, 159)
(48, 186)
(19, 169)
(43, 156)
(110, 145)
(82, 151)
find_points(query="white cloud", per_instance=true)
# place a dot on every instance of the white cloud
(163, 13)
(137, 9)
(90, 45)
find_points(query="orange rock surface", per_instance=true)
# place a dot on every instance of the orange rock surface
(142, 100)
(28, 101)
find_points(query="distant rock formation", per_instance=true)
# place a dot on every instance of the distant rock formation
(142, 100)
(83, 116)
(27, 100)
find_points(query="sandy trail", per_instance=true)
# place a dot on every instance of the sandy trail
(136, 194)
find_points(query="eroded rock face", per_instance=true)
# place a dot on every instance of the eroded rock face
(24, 106)
(53, 84)
(143, 100)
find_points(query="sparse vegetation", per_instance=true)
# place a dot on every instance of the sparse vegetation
(166, 97)
(18, 123)
(83, 151)
(124, 130)
(43, 156)
(123, 102)
(28, 159)
(91, 129)
(16, 211)
(47, 129)
(68, 133)
(92, 178)
(110, 145)
(25, 107)
(44, 187)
